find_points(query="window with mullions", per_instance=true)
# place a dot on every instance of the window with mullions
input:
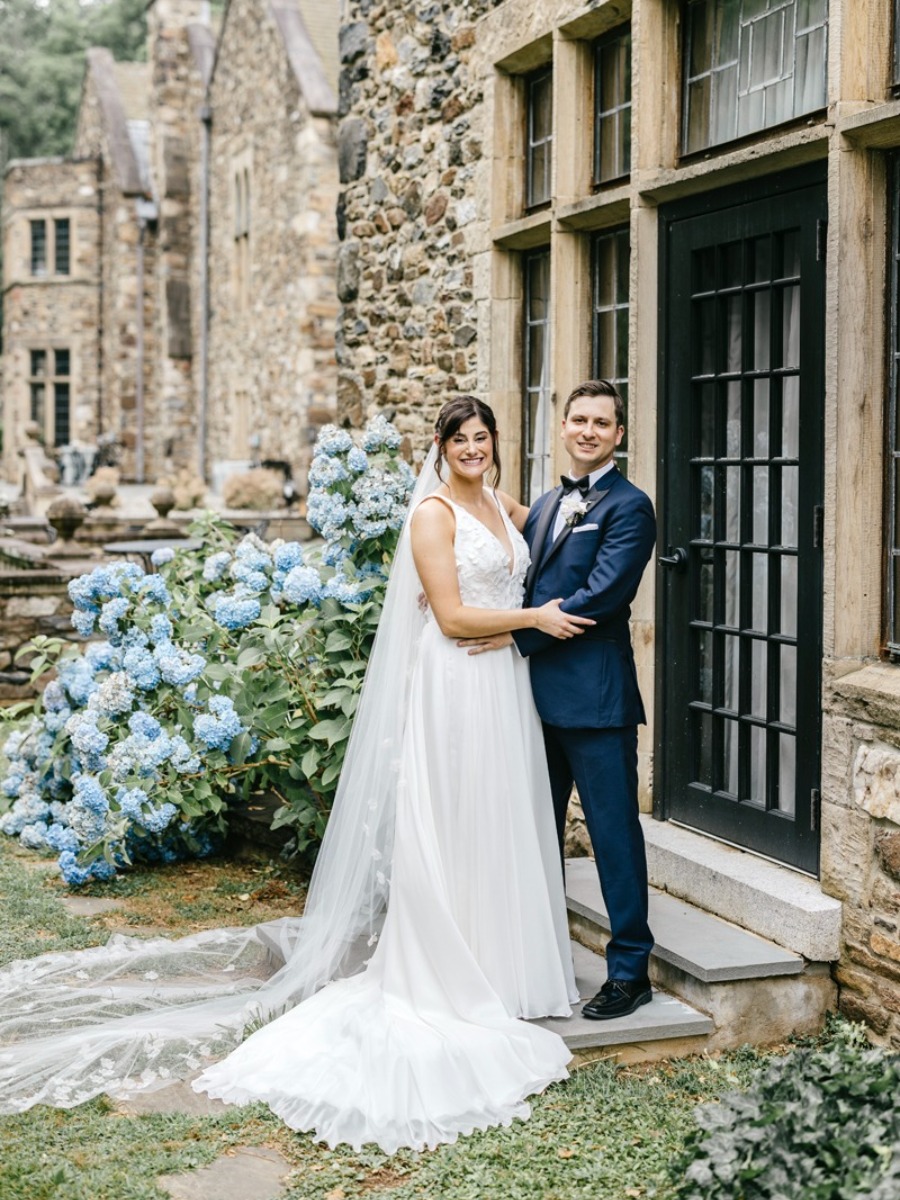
(50, 397)
(609, 304)
(536, 376)
(539, 137)
(612, 106)
(751, 64)
(892, 424)
(38, 247)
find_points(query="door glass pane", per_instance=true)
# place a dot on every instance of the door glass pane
(787, 773)
(760, 601)
(705, 601)
(790, 479)
(790, 327)
(788, 685)
(760, 418)
(757, 766)
(758, 671)
(760, 505)
(733, 420)
(761, 308)
(705, 666)
(730, 752)
(706, 410)
(732, 530)
(790, 416)
(733, 313)
(732, 675)
(706, 527)
(732, 587)
(788, 596)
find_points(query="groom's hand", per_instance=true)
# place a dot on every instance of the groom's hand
(480, 644)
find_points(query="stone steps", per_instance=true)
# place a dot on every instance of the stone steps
(665, 1027)
(752, 990)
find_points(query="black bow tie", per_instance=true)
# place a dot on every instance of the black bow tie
(575, 485)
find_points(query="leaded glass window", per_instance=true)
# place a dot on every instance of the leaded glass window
(50, 396)
(61, 398)
(37, 385)
(536, 376)
(611, 261)
(751, 64)
(612, 106)
(539, 142)
(38, 247)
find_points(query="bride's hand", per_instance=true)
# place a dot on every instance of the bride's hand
(551, 619)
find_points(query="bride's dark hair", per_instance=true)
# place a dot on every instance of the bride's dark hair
(454, 414)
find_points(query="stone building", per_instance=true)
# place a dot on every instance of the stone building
(200, 350)
(272, 196)
(699, 200)
(51, 231)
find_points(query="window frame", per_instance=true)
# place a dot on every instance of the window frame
(620, 378)
(59, 222)
(49, 392)
(531, 81)
(38, 268)
(714, 69)
(527, 392)
(621, 113)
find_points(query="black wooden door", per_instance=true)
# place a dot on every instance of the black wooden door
(740, 577)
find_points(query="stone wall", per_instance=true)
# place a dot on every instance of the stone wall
(411, 144)
(50, 311)
(272, 371)
(31, 603)
(123, 241)
(861, 841)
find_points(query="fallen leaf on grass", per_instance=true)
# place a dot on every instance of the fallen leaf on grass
(567, 1152)
(634, 1191)
(335, 1194)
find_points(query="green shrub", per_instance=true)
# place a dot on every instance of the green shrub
(818, 1124)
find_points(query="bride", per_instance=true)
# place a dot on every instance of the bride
(436, 917)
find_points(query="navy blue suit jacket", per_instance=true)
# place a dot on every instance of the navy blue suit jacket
(589, 681)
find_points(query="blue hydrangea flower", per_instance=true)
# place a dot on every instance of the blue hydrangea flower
(287, 556)
(103, 656)
(215, 565)
(380, 433)
(144, 725)
(233, 611)
(87, 739)
(153, 588)
(34, 836)
(164, 555)
(54, 698)
(141, 667)
(83, 622)
(332, 441)
(302, 585)
(158, 817)
(161, 629)
(114, 696)
(77, 677)
(112, 612)
(325, 472)
(75, 875)
(28, 809)
(177, 666)
(220, 726)
(60, 837)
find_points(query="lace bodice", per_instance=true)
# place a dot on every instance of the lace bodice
(482, 562)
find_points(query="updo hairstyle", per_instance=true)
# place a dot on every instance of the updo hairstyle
(454, 414)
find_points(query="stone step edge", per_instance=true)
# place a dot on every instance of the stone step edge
(772, 901)
(757, 958)
(665, 1018)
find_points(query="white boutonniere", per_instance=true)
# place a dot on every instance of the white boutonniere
(573, 508)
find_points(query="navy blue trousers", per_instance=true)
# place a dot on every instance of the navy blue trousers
(602, 763)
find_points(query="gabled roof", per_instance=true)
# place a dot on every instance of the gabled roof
(105, 73)
(309, 30)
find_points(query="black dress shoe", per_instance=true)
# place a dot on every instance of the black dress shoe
(618, 998)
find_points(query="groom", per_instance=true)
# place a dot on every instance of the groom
(590, 540)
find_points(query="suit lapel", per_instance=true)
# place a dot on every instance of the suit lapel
(567, 530)
(544, 521)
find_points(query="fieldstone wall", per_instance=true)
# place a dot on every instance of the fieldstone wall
(272, 369)
(49, 311)
(122, 239)
(31, 603)
(411, 147)
(861, 842)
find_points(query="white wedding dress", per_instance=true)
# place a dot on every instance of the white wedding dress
(425, 1044)
(443, 819)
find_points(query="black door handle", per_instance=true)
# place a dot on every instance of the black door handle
(677, 560)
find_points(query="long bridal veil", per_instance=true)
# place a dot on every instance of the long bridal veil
(135, 1014)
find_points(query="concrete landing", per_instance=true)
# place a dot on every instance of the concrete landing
(770, 900)
(665, 1018)
(697, 942)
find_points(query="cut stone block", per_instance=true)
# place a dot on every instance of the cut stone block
(775, 902)
(247, 1173)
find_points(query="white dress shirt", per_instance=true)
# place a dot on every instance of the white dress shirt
(560, 521)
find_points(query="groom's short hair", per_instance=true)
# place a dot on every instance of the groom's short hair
(598, 387)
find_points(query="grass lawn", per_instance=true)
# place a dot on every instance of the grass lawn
(606, 1134)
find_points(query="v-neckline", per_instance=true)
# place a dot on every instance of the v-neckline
(509, 554)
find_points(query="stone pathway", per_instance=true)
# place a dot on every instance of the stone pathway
(88, 906)
(244, 1173)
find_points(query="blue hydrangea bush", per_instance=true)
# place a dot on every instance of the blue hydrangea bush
(222, 673)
